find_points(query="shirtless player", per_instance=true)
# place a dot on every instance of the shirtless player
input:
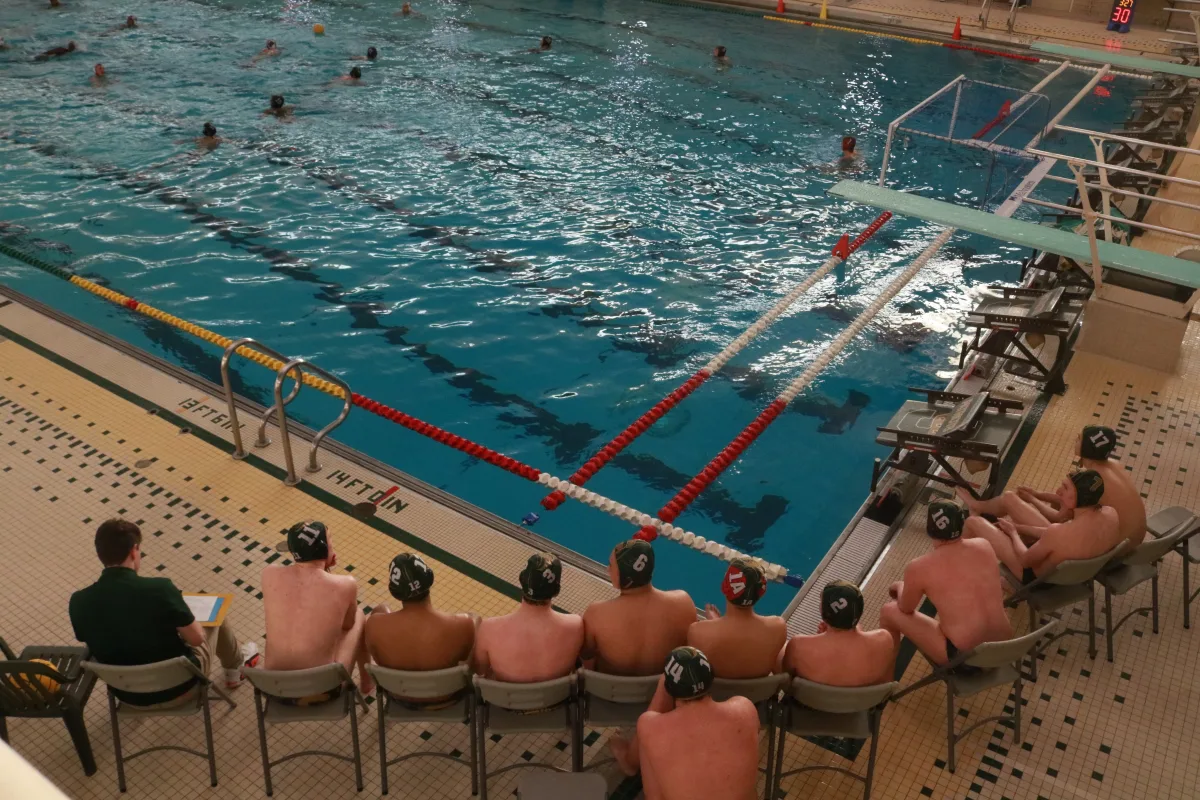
(1091, 530)
(312, 616)
(701, 749)
(841, 653)
(535, 642)
(741, 644)
(960, 578)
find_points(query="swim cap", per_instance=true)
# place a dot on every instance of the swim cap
(1097, 443)
(688, 674)
(1089, 487)
(849, 142)
(409, 578)
(841, 605)
(542, 577)
(945, 520)
(306, 541)
(744, 583)
(276, 101)
(270, 43)
(356, 73)
(210, 129)
(372, 52)
(635, 563)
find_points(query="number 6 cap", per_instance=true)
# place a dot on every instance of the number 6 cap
(409, 578)
(688, 674)
(945, 520)
(635, 563)
(542, 578)
(744, 583)
(306, 541)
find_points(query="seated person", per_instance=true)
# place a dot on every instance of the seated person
(960, 578)
(312, 615)
(633, 634)
(128, 620)
(1032, 511)
(417, 637)
(841, 653)
(1092, 530)
(692, 747)
(741, 644)
(535, 642)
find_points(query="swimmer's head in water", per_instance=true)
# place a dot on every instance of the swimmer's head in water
(270, 44)
(848, 144)
(719, 51)
(70, 45)
(131, 21)
(406, 9)
(1089, 488)
(547, 42)
(276, 101)
(356, 73)
(372, 53)
(99, 70)
(841, 605)
(210, 130)
(945, 520)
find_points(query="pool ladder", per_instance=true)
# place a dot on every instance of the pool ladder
(290, 365)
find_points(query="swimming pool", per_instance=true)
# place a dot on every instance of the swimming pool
(526, 249)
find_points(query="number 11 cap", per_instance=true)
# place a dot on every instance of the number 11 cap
(306, 541)
(409, 577)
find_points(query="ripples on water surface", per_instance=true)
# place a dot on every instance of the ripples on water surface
(527, 249)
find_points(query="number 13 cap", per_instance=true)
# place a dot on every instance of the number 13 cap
(306, 541)
(409, 578)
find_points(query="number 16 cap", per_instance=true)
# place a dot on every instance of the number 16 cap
(306, 541)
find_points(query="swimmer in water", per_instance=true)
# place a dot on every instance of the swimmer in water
(371, 55)
(405, 10)
(55, 4)
(270, 50)
(849, 153)
(210, 140)
(130, 22)
(55, 52)
(720, 57)
(98, 77)
(278, 109)
(543, 46)
(353, 79)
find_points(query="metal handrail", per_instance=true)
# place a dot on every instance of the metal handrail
(262, 441)
(1111, 218)
(1114, 167)
(1128, 193)
(281, 413)
(1114, 137)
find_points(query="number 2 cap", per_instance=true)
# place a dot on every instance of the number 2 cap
(635, 563)
(687, 674)
(744, 583)
(409, 578)
(306, 541)
(945, 520)
(542, 577)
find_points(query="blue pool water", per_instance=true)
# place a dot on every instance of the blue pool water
(526, 249)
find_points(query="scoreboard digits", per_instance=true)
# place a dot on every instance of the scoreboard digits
(1122, 15)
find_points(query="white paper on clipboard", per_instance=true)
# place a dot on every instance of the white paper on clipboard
(203, 607)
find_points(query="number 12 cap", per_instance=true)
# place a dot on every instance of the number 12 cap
(409, 578)
(306, 541)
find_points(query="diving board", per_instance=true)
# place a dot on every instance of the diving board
(1117, 59)
(1144, 263)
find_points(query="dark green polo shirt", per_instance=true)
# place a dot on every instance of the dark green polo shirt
(129, 620)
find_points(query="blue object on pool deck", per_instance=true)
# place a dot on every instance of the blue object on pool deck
(1146, 263)
(1118, 59)
(530, 518)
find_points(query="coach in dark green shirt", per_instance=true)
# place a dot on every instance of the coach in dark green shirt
(129, 620)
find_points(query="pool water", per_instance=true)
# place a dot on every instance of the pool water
(526, 249)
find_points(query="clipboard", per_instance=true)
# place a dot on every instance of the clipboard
(219, 608)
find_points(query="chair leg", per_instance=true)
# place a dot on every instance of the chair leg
(779, 748)
(381, 707)
(262, 741)
(1154, 602)
(4, 731)
(1092, 625)
(481, 737)
(575, 720)
(871, 758)
(354, 740)
(1108, 630)
(116, 726)
(1187, 590)
(79, 736)
(472, 722)
(1017, 686)
(1033, 654)
(208, 737)
(950, 725)
(770, 751)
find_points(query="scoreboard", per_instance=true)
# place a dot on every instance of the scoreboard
(1122, 15)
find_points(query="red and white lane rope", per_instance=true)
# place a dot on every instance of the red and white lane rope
(622, 440)
(743, 440)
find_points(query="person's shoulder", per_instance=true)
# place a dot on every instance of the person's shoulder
(680, 599)
(738, 706)
(80, 597)
(163, 585)
(773, 622)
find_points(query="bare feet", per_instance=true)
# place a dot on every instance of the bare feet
(621, 752)
(970, 502)
(366, 684)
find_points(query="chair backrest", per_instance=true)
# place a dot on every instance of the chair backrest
(145, 678)
(1047, 304)
(1152, 550)
(756, 690)
(623, 689)
(423, 684)
(526, 696)
(1081, 570)
(840, 699)
(297, 683)
(990, 655)
(26, 686)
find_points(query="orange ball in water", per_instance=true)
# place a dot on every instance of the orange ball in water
(319, 29)
(46, 682)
